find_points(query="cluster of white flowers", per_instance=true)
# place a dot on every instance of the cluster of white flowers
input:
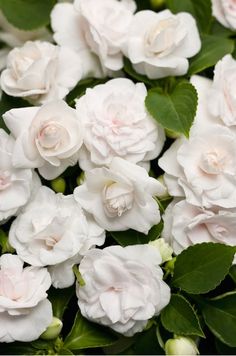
(110, 135)
(201, 172)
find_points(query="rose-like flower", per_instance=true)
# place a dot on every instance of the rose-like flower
(99, 27)
(159, 44)
(222, 97)
(203, 168)
(41, 71)
(123, 287)
(16, 185)
(47, 137)
(225, 12)
(51, 229)
(121, 197)
(116, 123)
(186, 225)
(24, 310)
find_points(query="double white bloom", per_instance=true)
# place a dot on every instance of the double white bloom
(159, 44)
(225, 12)
(53, 231)
(116, 123)
(123, 287)
(40, 72)
(25, 312)
(121, 197)
(47, 137)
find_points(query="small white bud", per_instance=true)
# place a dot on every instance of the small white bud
(164, 249)
(53, 330)
(181, 345)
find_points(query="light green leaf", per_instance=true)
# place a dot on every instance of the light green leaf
(213, 49)
(180, 318)
(202, 267)
(220, 316)
(174, 110)
(85, 334)
(27, 14)
(200, 9)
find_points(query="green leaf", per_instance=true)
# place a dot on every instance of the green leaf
(213, 49)
(4, 243)
(27, 14)
(180, 318)
(200, 9)
(85, 334)
(232, 273)
(147, 343)
(202, 267)
(173, 110)
(220, 316)
(132, 237)
(60, 299)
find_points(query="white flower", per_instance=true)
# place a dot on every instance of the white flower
(53, 229)
(159, 44)
(225, 12)
(24, 310)
(222, 97)
(121, 197)
(203, 168)
(99, 27)
(47, 137)
(123, 287)
(116, 123)
(186, 225)
(41, 71)
(16, 185)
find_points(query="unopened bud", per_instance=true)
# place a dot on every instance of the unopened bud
(53, 330)
(80, 179)
(156, 4)
(181, 345)
(170, 265)
(164, 249)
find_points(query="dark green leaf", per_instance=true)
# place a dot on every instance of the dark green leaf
(213, 49)
(200, 9)
(85, 334)
(132, 237)
(7, 103)
(223, 349)
(219, 30)
(64, 352)
(147, 343)
(202, 267)
(59, 299)
(232, 273)
(220, 316)
(27, 14)
(174, 110)
(180, 318)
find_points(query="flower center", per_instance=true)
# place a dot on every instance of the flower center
(213, 162)
(51, 241)
(5, 180)
(159, 39)
(117, 199)
(50, 136)
(12, 286)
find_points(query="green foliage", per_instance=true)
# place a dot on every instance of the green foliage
(174, 109)
(27, 14)
(60, 299)
(213, 49)
(220, 316)
(180, 318)
(85, 335)
(202, 267)
(200, 9)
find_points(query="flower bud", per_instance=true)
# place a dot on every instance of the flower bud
(164, 249)
(165, 193)
(53, 330)
(156, 4)
(170, 265)
(80, 179)
(58, 185)
(181, 345)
